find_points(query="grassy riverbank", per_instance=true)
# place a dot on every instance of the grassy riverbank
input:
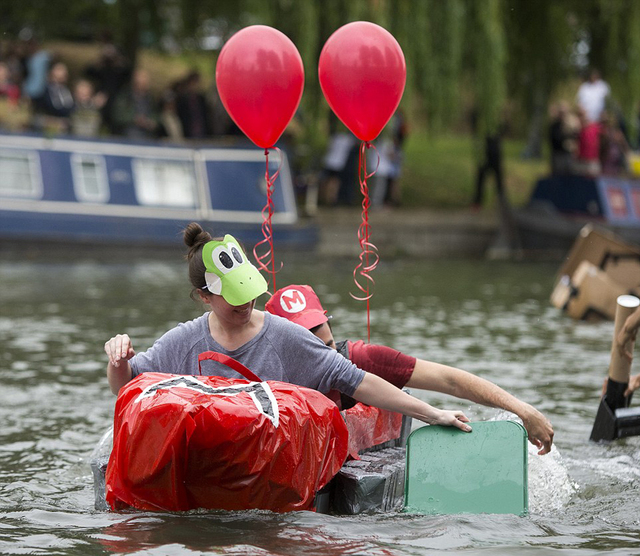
(441, 172)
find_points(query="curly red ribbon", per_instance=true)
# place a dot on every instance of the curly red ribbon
(267, 258)
(369, 257)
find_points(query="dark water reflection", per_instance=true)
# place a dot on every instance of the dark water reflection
(493, 319)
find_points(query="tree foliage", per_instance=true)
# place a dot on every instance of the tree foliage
(459, 52)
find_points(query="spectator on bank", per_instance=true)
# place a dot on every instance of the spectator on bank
(588, 160)
(57, 99)
(592, 96)
(192, 108)
(8, 89)
(637, 145)
(134, 113)
(170, 124)
(339, 165)
(14, 115)
(564, 130)
(386, 190)
(221, 122)
(13, 55)
(109, 75)
(613, 146)
(37, 61)
(86, 118)
(490, 162)
(53, 109)
(337, 160)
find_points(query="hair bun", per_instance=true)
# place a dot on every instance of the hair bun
(195, 237)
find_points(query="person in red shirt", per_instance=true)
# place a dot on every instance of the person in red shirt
(8, 89)
(300, 304)
(589, 146)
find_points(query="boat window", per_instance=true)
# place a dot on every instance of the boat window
(19, 174)
(165, 183)
(90, 178)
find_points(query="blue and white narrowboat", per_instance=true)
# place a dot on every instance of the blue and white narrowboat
(66, 190)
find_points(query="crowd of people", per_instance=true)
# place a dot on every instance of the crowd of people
(108, 97)
(588, 139)
(113, 97)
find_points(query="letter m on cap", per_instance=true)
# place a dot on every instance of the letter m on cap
(292, 301)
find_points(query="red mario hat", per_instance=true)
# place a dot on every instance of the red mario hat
(299, 304)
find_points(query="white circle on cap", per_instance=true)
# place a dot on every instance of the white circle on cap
(293, 301)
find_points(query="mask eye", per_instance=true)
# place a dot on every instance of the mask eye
(236, 254)
(222, 259)
(225, 259)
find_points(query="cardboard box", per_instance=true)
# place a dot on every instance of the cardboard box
(590, 294)
(619, 260)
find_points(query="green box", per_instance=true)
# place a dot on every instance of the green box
(451, 472)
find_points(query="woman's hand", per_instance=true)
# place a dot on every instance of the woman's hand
(539, 429)
(634, 384)
(625, 340)
(450, 419)
(119, 349)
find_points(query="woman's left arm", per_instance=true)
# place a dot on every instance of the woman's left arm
(377, 392)
(461, 384)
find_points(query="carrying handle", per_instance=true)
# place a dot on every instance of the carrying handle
(229, 362)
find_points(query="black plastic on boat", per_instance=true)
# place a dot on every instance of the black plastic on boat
(615, 419)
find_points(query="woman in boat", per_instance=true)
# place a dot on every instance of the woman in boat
(272, 347)
(300, 304)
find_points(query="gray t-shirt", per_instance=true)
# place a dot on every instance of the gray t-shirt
(281, 351)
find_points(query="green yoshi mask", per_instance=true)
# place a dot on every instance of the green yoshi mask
(230, 274)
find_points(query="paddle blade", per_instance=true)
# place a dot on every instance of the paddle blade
(451, 472)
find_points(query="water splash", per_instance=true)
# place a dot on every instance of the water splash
(550, 487)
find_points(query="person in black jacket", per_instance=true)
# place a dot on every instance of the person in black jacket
(193, 109)
(56, 104)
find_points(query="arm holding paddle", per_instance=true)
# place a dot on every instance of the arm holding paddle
(624, 340)
(119, 350)
(628, 333)
(377, 392)
(461, 384)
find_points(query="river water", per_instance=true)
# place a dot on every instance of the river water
(493, 319)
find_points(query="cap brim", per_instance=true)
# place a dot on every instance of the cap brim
(242, 285)
(310, 319)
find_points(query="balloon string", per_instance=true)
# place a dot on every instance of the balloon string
(368, 251)
(267, 257)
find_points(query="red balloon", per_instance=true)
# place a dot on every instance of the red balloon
(260, 78)
(362, 73)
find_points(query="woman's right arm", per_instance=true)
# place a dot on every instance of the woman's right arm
(119, 350)
(377, 392)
